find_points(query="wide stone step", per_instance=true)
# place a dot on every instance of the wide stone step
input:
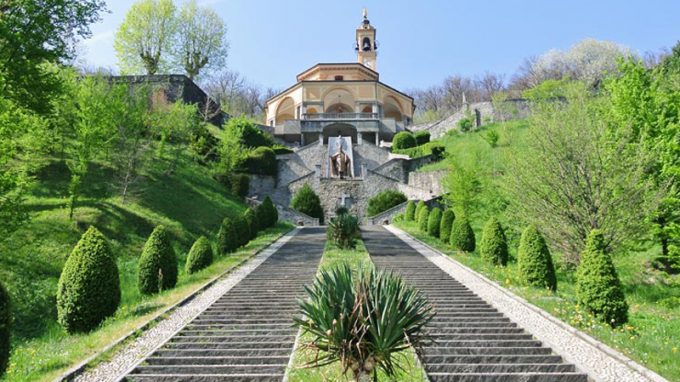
(508, 377)
(238, 332)
(263, 352)
(251, 377)
(434, 350)
(500, 368)
(468, 324)
(484, 344)
(217, 360)
(229, 339)
(211, 369)
(231, 345)
(467, 359)
(477, 330)
(438, 336)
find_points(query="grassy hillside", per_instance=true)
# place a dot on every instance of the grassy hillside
(189, 202)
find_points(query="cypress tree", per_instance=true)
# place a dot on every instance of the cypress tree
(462, 236)
(493, 247)
(445, 226)
(270, 214)
(423, 215)
(251, 219)
(598, 287)
(227, 237)
(243, 230)
(5, 326)
(89, 286)
(534, 260)
(421, 204)
(410, 213)
(158, 263)
(434, 221)
(200, 255)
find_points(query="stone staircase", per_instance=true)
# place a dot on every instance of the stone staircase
(472, 341)
(247, 334)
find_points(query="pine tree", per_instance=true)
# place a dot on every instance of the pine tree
(494, 248)
(462, 236)
(158, 263)
(434, 221)
(445, 226)
(534, 260)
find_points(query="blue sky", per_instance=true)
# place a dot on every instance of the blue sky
(421, 42)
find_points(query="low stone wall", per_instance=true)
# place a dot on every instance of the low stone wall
(386, 217)
(432, 181)
(288, 214)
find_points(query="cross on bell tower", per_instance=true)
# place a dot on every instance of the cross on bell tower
(366, 46)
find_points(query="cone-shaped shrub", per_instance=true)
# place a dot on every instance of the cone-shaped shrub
(421, 204)
(598, 287)
(251, 219)
(445, 226)
(227, 236)
(89, 285)
(462, 236)
(308, 202)
(267, 214)
(410, 213)
(534, 260)
(5, 324)
(243, 230)
(200, 255)
(423, 216)
(433, 222)
(494, 248)
(158, 264)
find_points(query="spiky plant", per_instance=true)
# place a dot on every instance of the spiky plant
(363, 323)
(343, 230)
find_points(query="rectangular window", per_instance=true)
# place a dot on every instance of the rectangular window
(339, 78)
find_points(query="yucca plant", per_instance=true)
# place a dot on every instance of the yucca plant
(363, 322)
(343, 230)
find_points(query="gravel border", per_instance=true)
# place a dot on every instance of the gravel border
(601, 362)
(169, 321)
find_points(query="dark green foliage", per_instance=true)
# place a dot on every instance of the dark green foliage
(445, 225)
(89, 285)
(5, 326)
(250, 217)
(465, 124)
(410, 213)
(227, 237)
(423, 215)
(422, 137)
(534, 260)
(598, 288)
(343, 230)
(434, 221)
(203, 145)
(260, 161)
(200, 255)
(247, 134)
(158, 264)
(435, 149)
(267, 214)
(462, 236)
(240, 184)
(341, 210)
(243, 230)
(307, 201)
(403, 140)
(493, 247)
(280, 149)
(385, 200)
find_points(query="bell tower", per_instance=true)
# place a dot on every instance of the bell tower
(366, 45)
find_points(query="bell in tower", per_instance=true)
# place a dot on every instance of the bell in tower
(365, 44)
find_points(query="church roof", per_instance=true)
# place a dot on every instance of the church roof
(371, 75)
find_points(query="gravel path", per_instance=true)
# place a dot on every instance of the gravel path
(598, 360)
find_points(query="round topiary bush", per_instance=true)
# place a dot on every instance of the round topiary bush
(410, 213)
(308, 202)
(240, 184)
(384, 200)
(494, 247)
(421, 204)
(445, 225)
(534, 260)
(89, 285)
(243, 230)
(200, 255)
(434, 221)
(598, 288)
(462, 236)
(403, 140)
(5, 326)
(158, 264)
(421, 137)
(227, 236)
(423, 215)
(251, 219)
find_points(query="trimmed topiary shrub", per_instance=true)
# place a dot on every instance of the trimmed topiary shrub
(307, 201)
(462, 236)
(410, 214)
(598, 288)
(421, 204)
(243, 230)
(445, 225)
(434, 221)
(200, 255)
(403, 140)
(494, 248)
(158, 263)
(251, 219)
(270, 212)
(534, 260)
(5, 326)
(423, 215)
(227, 236)
(89, 286)
(239, 184)
(384, 200)
(421, 137)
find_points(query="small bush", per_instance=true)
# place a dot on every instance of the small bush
(598, 287)
(403, 140)
(422, 137)
(462, 236)
(261, 161)
(242, 230)
(434, 222)
(267, 212)
(445, 225)
(341, 210)
(385, 200)
(343, 230)
(203, 145)
(465, 124)
(423, 216)
(421, 204)
(158, 264)
(5, 326)
(493, 247)
(534, 260)
(307, 201)
(227, 237)
(251, 220)
(200, 255)
(239, 184)
(491, 137)
(410, 213)
(89, 285)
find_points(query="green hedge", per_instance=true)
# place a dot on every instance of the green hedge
(534, 260)
(403, 140)
(308, 202)
(385, 200)
(462, 236)
(434, 222)
(158, 263)
(410, 214)
(423, 216)
(5, 327)
(245, 132)
(435, 149)
(494, 248)
(200, 255)
(260, 161)
(89, 286)
(422, 137)
(445, 226)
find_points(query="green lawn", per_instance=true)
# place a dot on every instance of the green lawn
(652, 337)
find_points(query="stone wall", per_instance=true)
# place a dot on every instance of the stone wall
(288, 214)
(432, 181)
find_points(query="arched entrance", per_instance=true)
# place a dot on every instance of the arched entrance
(343, 129)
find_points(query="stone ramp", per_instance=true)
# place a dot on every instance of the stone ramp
(247, 334)
(472, 341)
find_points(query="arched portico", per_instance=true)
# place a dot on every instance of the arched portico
(343, 129)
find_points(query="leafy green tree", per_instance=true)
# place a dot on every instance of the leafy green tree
(200, 255)
(423, 216)
(494, 248)
(462, 236)
(145, 37)
(434, 222)
(308, 202)
(463, 188)
(534, 260)
(410, 213)
(174, 123)
(403, 140)
(158, 263)
(446, 223)
(5, 327)
(384, 200)
(89, 285)
(598, 288)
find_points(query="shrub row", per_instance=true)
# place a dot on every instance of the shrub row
(237, 231)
